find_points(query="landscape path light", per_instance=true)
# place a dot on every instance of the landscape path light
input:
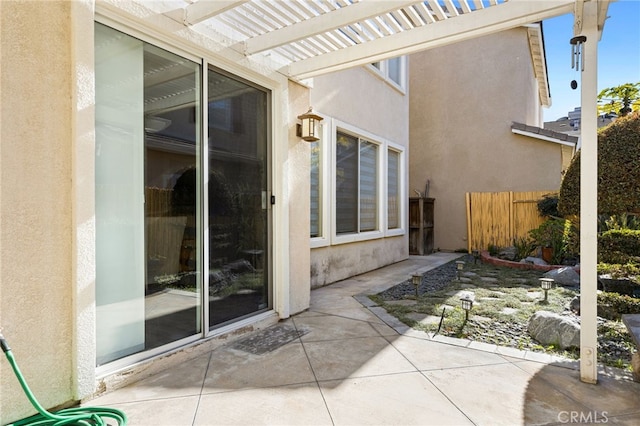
(416, 279)
(546, 284)
(467, 304)
(459, 268)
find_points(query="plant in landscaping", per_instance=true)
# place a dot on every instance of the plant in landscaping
(548, 206)
(524, 246)
(554, 233)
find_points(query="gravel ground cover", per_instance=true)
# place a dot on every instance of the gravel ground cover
(505, 299)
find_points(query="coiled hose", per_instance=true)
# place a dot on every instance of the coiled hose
(84, 416)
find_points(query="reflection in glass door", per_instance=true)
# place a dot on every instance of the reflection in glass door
(153, 223)
(238, 199)
(148, 289)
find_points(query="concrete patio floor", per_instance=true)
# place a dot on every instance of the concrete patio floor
(344, 361)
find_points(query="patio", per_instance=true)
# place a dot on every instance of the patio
(345, 362)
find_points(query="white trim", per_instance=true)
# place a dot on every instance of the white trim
(325, 141)
(542, 137)
(402, 228)
(383, 73)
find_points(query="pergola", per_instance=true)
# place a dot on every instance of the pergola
(306, 38)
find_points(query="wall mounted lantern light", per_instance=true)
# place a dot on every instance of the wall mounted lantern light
(308, 129)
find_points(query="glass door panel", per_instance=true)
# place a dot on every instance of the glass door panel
(172, 188)
(238, 199)
(148, 242)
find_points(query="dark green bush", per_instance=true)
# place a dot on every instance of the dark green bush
(613, 305)
(618, 171)
(619, 246)
(619, 270)
(548, 205)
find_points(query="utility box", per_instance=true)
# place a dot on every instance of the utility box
(421, 225)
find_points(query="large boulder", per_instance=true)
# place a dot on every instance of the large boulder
(549, 328)
(567, 276)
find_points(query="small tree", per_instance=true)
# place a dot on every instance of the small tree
(620, 100)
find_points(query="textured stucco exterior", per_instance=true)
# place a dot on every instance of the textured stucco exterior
(36, 241)
(361, 99)
(47, 181)
(464, 98)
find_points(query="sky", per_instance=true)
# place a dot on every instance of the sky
(618, 55)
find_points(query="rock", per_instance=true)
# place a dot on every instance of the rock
(534, 261)
(552, 329)
(508, 253)
(567, 276)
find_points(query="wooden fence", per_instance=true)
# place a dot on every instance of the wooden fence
(498, 218)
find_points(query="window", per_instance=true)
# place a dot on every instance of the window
(392, 71)
(357, 186)
(393, 189)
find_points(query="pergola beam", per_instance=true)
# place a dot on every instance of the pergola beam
(322, 24)
(203, 10)
(478, 23)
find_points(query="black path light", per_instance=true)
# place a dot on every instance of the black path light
(416, 280)
(459, 268)
(467, 304)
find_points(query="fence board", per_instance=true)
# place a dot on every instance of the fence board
(497, 218)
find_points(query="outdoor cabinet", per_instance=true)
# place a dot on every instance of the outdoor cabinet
(421, 225)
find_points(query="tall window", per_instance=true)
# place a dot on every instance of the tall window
(316, 189)
(356, 185)
(393, 189)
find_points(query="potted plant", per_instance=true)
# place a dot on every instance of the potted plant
(552, 236)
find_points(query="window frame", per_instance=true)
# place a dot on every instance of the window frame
(382, 72)
(402, 191)
(324, 168)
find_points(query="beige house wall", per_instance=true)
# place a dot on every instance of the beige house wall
(464, 98)
(36, 202)
(360, 98)
(47, 223)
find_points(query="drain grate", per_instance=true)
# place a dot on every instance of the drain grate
(268, 340)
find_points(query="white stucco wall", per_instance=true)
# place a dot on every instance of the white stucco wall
(360, 98)
(464, 99)
(36, 208)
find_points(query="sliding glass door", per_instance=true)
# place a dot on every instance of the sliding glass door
(165, 211)
(238, 198)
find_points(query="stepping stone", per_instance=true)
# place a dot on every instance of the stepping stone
(509, 311)
(465, 280)
(405, 302)
(469, 274)
(424, 319)
(468, 286)
(534, 294)
(489, 279)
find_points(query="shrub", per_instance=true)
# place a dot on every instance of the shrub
(619, 246)
(619, 270)
(555, 233)
(524, 246)
(548, 205)
(618, 170)
(612, 305)
(618, 221)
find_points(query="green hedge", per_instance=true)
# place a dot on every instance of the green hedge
(619, 246)
(618, 171)
(613, 305)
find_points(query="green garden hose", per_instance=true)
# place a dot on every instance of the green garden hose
(84, 416)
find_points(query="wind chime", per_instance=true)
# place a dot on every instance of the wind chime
(577, 56)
